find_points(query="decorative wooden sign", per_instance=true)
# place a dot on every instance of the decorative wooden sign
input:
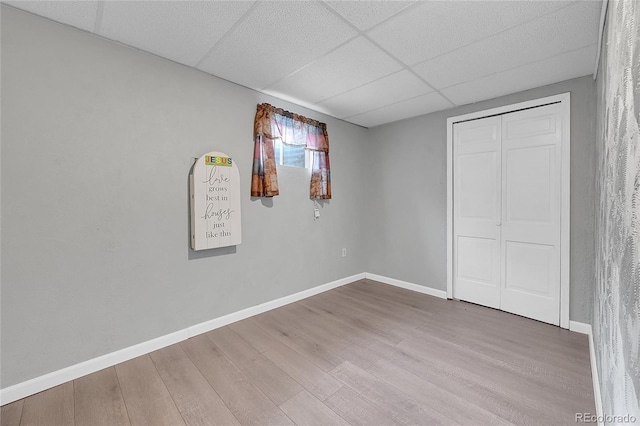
(214, 185)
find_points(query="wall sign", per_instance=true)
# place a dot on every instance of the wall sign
(214, 184)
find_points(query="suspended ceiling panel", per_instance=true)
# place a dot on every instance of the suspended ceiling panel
(367, 62)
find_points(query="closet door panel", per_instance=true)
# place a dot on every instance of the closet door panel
(477, 210)
(530, 238)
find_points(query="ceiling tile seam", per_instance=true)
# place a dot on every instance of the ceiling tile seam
(521, 66)
(360, 86)
(308, 64)
(385, 51)
(413, 5)
(388, 105)
(494, 34)
(97, 27)
(227, 34)
(359, 33)
(408, 68)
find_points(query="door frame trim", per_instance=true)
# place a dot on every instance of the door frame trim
(564, 99)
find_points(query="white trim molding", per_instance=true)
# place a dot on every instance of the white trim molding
(583, 328)
(406, 285)
(565, 101)
(38, 384)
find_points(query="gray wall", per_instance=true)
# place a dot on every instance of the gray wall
(97, 143)
(616, 319)
(406, 205)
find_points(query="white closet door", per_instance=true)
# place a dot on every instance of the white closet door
(531, 188)
(506, 207)
(477, 209)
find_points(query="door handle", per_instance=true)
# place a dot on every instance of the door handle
(498, 223)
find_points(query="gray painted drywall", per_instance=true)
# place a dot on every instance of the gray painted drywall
(97, 143)
(406, 204)
(616, 317)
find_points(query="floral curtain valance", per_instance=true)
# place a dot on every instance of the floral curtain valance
(292, 129)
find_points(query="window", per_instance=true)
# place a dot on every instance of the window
(291, 155)
(288, 139)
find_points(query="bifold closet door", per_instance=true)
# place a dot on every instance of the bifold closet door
(477, 210)
(506, 228)
(531, 187)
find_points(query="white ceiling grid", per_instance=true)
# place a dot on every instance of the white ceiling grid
(367, 62)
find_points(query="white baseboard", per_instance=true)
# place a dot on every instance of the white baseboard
(580, 327)
(409, 286)
(38, 384)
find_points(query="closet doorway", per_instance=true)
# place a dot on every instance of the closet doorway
(508, 209)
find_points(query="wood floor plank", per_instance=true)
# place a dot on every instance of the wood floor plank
(342, 345)
(147, 399)
(10, 414)
(247, 403)
(539, 366)
(397, 404)
(546, 353)
(494, 372)
(306, 410)
(512, 410)
(335, 323)
(194, 397)
(99, 401)
(458, 409)
(355, 317)
(531, 400)
(299, 341)
(375, 345)
(366, 353)
(358, 411)
(421, 302)
(51, 407)
(255, 336)
(302, 370)
(269, 378)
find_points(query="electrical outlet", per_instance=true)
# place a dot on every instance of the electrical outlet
(344, 252)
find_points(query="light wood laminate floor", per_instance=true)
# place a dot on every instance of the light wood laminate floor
(363, 354)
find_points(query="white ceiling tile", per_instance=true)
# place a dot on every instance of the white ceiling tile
(79, 14)
(356, 63)
(276, 39)
(435, 27)
(564, 30)
(366, 14)
(419, 105)
(308, 51)
(565, 66)
(387, 90)
(180, 31)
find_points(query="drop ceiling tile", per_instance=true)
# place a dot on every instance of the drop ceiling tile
(385, 91)
(356, 63)
(79, 14)
(181, 31)
(435, 27)
(419, 105)
(562, 67)
(276, 39)
(564, 30)
(366, 14)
